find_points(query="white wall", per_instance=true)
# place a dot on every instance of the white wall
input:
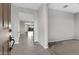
(43, 25)
(26, 27)
(22, 27)
(61, 25)
(15, 24)
(36, 31)
(77, 25)
(26, 16)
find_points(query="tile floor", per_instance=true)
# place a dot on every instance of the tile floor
(67, 47)
(26, 46)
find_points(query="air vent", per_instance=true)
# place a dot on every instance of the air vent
(65, 6)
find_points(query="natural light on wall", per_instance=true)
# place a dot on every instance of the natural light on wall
(30, 34)
(10, 26)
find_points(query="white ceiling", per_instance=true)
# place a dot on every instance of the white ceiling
(72, 7)
(33, 6)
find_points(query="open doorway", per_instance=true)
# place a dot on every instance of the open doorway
(27, 29)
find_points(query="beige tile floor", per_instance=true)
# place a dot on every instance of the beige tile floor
(27, 47)
(67, 47)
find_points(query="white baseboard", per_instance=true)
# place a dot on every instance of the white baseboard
(60, 40)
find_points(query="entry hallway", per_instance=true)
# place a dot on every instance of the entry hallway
(27, 47)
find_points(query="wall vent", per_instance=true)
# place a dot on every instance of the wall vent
(65, 6)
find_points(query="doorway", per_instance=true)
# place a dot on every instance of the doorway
(27, 29)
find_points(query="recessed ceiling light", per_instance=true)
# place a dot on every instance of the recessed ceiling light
(65, 6)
